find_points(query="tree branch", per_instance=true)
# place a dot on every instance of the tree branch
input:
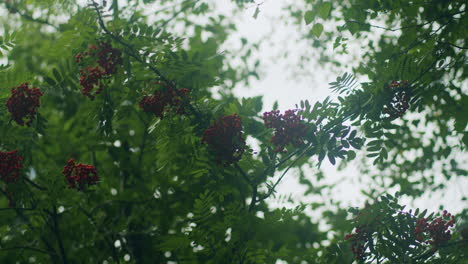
(244, 175)
(104, 234)
(272, 189)
(254, 198)
(174, 16)
(451, 44)
(14, 10)
(17, 208)
(405, 27)
(132, 53)
(53, 255)
(35, 184)
(28, 248)
(128, 46)
(56, 230)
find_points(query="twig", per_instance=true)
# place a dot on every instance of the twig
(35, 184)
(244, 175)
(451, 44)
(51, 251)
(128, 46)
(174, 16)
(135, 55)
(254, 199)
(56, 230)
(13, 10)
(29, 248)
(142, 148)
(17, 208)
(272, 189)
(121, 201)
(405, 27)
(252, 184)
(108, 241)
(287, 158)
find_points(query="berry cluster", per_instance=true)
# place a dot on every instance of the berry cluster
(358, 240)
(108, 59)
(289, 128)
(10, 166)
(23, 103)
(399, 102)
(164, 100)
(89, 78)
(436, 232)
(361, 235)
(80, 176)
(225, 138)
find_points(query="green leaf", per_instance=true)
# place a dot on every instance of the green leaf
(324, 10)
(321, 155)
(317, 29)
(309, 17)
(257, 11)
(353, 27)
(345, 143)
(49, 80)
(351, 155)
(373, 149)
(331, 158)
(57, 75)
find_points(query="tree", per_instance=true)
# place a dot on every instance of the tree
(114, 147)
(422, 42)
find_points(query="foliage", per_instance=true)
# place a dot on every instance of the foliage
(165, 171)
(422, 43)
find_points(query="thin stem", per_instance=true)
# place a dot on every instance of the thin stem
(451, 44)
(254, 198)
(244, 175)
(18, 208)
(287, 158)
(14, 10)
(174, 16)
(142, 148)
(139, 202)
(53, 255)
(103, 232)
(128, 46)
(132, 53)
(115, 9)
(272, 189)
(56, 230)
(35, 184)
(28, 248)
(406, 27)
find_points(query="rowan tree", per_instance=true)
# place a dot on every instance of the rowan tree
(121, 140)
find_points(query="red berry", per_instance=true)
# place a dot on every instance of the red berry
(225, 139)
(289, 128)
(10, 166)
(108, 59)
(23, 103)
(80, 176)
(163, 101)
